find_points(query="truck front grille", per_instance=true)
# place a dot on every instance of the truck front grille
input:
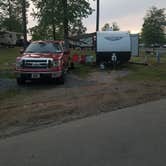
(37, 63)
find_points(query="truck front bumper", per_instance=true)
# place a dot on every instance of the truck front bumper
(38, 75)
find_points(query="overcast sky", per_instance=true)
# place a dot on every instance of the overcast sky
(127, 13)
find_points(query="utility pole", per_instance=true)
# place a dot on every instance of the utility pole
(24, 20)
(97, 15)
(65, 23)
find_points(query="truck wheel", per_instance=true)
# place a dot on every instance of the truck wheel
(61, 79)
(20, 81)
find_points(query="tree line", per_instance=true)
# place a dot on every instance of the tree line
(57, 19)
(11, 13)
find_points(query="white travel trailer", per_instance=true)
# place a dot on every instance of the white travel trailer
(8, 38)
(115, 45)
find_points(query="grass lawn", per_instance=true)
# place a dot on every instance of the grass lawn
(83, 70)
(153, 71)
(7, 61)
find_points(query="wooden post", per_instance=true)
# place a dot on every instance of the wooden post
(24, 19)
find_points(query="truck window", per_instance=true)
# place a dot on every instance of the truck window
(43, 47)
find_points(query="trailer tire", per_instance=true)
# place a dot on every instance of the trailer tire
(97, 60)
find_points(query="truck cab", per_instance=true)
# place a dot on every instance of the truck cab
(42, 60)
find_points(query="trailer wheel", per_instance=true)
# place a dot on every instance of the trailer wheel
(97, 60)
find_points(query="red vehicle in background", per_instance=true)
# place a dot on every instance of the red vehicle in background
(42, 60)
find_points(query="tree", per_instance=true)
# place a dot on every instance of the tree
(9, 17)
(113, 27)
(42, 32)
(154, 26)
(77, 28)
(61, 14)
(12, 17)
(106, 27)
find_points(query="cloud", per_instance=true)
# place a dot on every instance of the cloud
(127, 13)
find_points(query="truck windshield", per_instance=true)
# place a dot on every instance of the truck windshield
(44, 48)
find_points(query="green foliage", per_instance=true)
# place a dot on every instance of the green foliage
(44, 32)
(51, 16)
(154, 26)
(77, 28)
(115, 26)
(11, 15)
(12, 24)
(106, 27)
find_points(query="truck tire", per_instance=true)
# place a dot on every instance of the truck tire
(61, 79)
(20, 81)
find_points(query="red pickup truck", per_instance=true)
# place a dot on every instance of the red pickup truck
(42, 60)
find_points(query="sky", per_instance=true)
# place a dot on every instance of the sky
(128, 14)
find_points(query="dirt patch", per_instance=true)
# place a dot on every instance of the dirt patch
(107, 76)
(45, 105)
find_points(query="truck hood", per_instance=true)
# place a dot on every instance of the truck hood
(43, 55)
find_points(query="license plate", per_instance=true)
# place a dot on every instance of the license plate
(35, 75)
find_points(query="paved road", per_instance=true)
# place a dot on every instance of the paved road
(130, 137)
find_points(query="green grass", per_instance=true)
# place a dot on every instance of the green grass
(83, 70)
(149, 73)
(7, 61)
(153, 71)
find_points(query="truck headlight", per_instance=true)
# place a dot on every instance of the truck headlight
(19, 63)
(56, 63)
